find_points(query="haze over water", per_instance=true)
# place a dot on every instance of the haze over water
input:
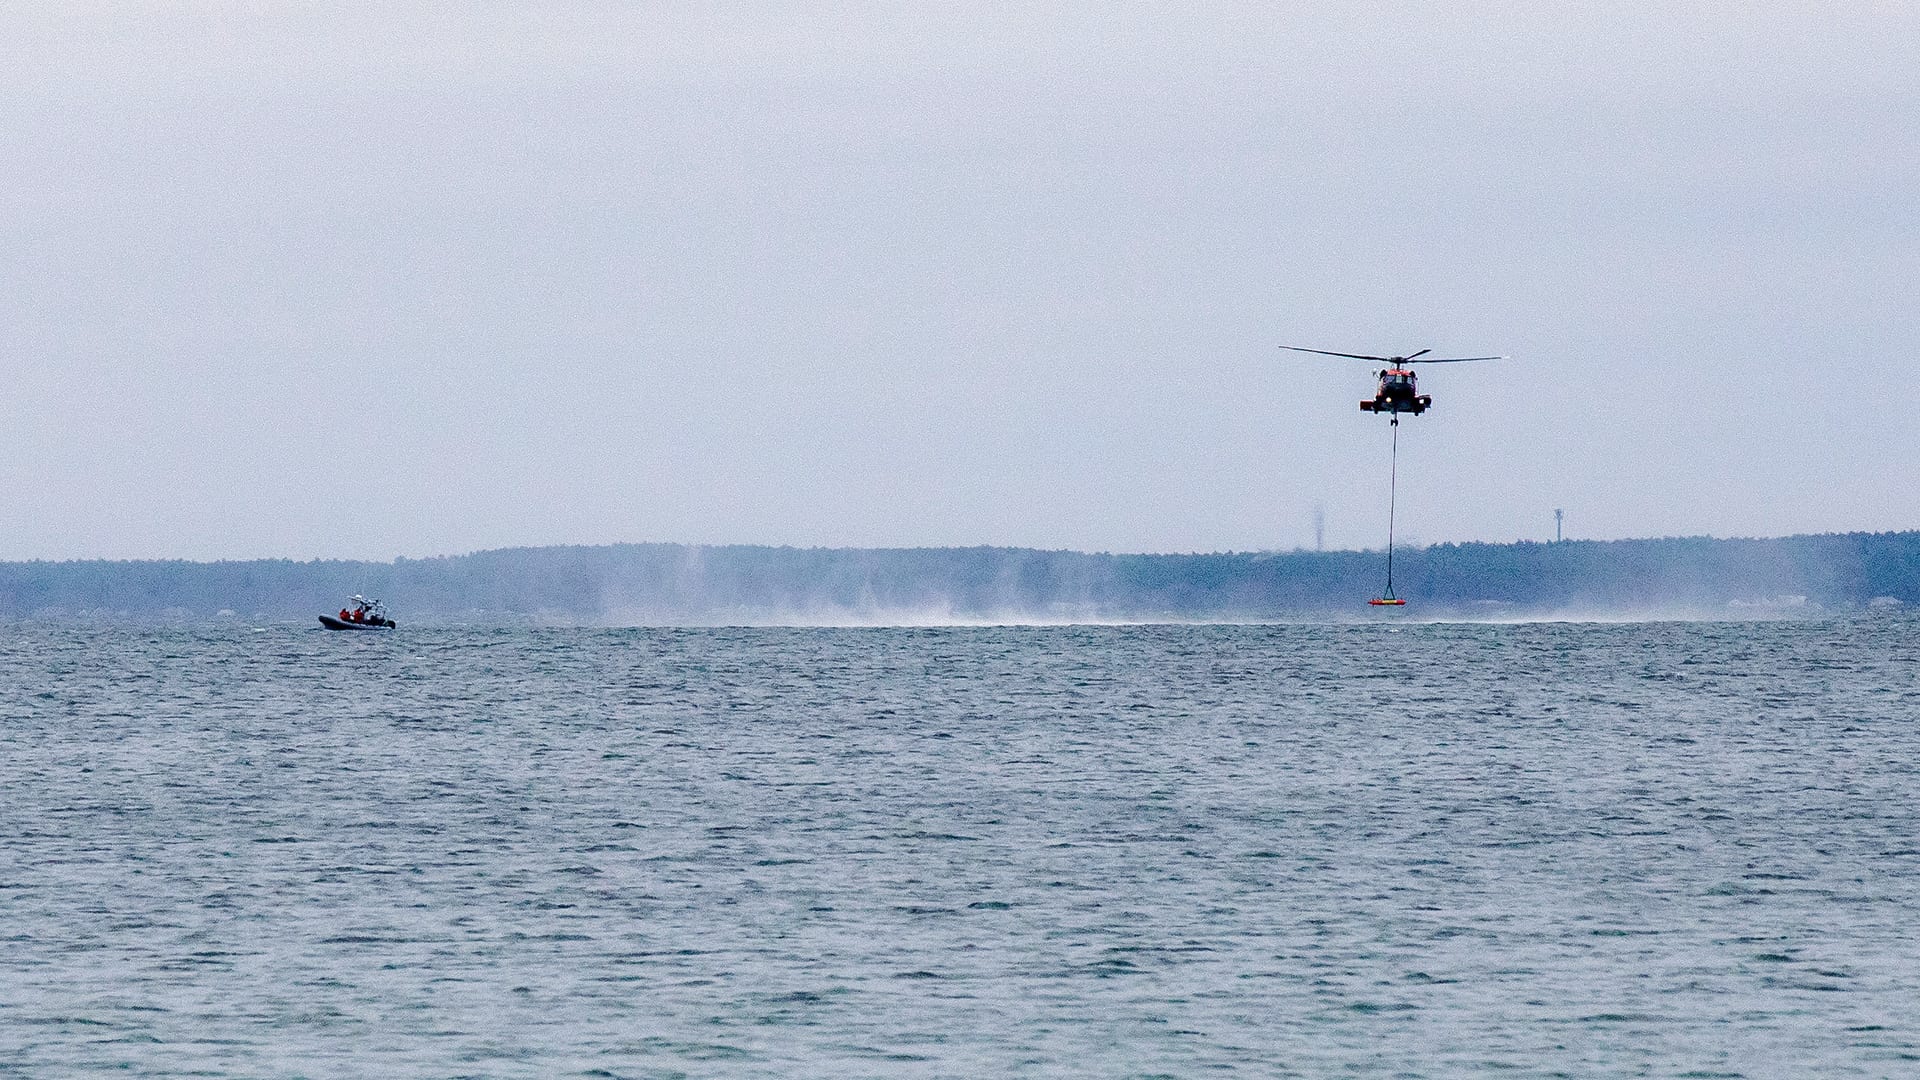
(1416, 850)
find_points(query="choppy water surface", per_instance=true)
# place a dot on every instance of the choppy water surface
(1669, 849)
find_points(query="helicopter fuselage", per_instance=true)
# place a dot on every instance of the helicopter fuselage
(1397, 394)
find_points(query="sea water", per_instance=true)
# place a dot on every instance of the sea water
(1674, 849)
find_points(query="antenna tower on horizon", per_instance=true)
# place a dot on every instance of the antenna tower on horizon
(1557, 512)
(1319, 526)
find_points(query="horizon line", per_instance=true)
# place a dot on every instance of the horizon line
(1217, 553)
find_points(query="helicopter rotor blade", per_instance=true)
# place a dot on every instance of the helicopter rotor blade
(1348, 355)
(1404, 359)
(1458, 359)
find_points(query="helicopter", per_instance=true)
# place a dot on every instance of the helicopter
(1397, 392)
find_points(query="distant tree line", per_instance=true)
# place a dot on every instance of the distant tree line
(673, 583)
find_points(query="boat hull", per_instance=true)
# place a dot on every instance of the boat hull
(332, 623)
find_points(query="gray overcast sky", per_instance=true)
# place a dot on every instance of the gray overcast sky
(362, 280)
